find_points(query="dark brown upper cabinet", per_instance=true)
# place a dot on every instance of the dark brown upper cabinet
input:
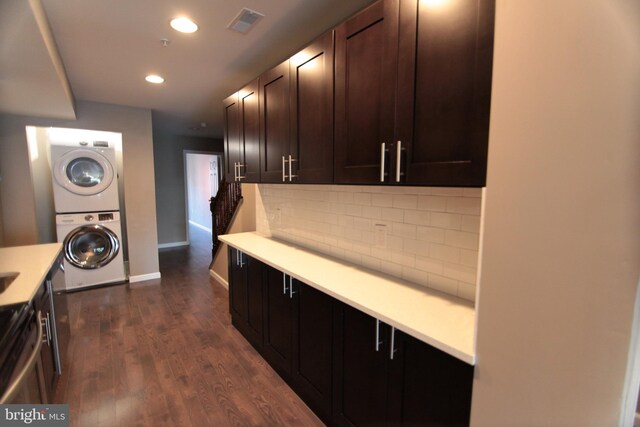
(274, 124)
(413, 87)
(311, 147)
(231, 119)
(242, 135)
(365, 92)
(444, 92)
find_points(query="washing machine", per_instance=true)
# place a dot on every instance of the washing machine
(92, 247)
(85, 177)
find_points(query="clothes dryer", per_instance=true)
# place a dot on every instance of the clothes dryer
(92, 246)
(85, 177)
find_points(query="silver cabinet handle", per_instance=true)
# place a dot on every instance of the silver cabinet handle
(235, 171)
(284, 284)
(284, 175)
(240, 176)
(241, 261)
(49, 334)
(237, 257)
(393, 342)
(378, 342)
(382, 154)
(16, 386)
(291, 175)
(291, 291)
(45, 333)
(398, 162)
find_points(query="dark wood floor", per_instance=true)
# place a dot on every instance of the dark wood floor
(164, 353)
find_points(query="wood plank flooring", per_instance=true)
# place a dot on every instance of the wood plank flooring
(164, 353)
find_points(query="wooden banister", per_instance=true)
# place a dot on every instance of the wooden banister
(223, 206)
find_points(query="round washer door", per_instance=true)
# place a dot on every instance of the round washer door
(91, 246)
(83, 172)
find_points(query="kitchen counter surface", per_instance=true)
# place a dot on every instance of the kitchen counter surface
(33, 263)
(443, 321)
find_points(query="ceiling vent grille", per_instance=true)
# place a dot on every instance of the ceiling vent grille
(245, 20)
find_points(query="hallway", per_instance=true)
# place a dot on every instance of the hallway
(163, 352)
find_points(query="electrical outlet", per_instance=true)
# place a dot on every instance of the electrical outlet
(380, 232)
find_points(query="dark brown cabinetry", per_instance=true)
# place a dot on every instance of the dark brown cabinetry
(366, 74)
(349, 367)
(274, 120)
(413, 97)
(246, 295)
(311, 145)
(242, 135)
(444, 91)
(384, 377)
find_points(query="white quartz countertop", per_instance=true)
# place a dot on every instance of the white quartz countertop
(33, 263)
(443, 321)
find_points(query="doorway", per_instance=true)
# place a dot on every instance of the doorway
(202, 179)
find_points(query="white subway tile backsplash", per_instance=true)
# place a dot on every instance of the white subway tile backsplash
(432, 203)
(464, 205)
(461, 239)
(392, 214)
(382, 200)
(430, 235)
(417, 217)
(405, 201)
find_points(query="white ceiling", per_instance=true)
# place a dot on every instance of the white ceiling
(107, 47)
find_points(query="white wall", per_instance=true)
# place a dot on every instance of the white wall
(561, 248)
(431, 233)
(199, 172)
(16, 189)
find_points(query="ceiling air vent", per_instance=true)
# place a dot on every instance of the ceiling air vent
(245, 20)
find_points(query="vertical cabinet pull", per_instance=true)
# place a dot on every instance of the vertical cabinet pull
(291, 175)
(291, 291)
(284, 284)
(393, 343)
(378, 342)
(240, 176)
(398, 161)
(241, 261)
(383, 151)
(284, 174)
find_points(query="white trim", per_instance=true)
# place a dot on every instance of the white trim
(632, 381)
(172, 244)
(218, 278)
(202, 227)
(144, 277)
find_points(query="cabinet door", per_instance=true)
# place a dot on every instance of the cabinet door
(255, 271)
(444, 90)
(360, 369)
(237, 288)
(366, 73)
(274, 119)
(312, 112)
(249, 134)
(278, 318)
(313, 340)
(429, 387)
(231, 136)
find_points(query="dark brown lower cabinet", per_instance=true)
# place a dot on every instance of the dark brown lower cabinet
(246, 295)
(384, 377)
(350, 368)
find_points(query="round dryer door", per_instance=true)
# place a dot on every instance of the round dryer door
(84, 172)
(91, 246)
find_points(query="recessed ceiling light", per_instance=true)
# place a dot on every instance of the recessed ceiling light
(184, 25)
(152, 78)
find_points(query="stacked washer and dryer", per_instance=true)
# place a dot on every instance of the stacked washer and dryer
(85, 193)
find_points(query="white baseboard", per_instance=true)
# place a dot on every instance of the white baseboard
(202, 227)
(143, 277)
(219, 279)
(172, 244)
